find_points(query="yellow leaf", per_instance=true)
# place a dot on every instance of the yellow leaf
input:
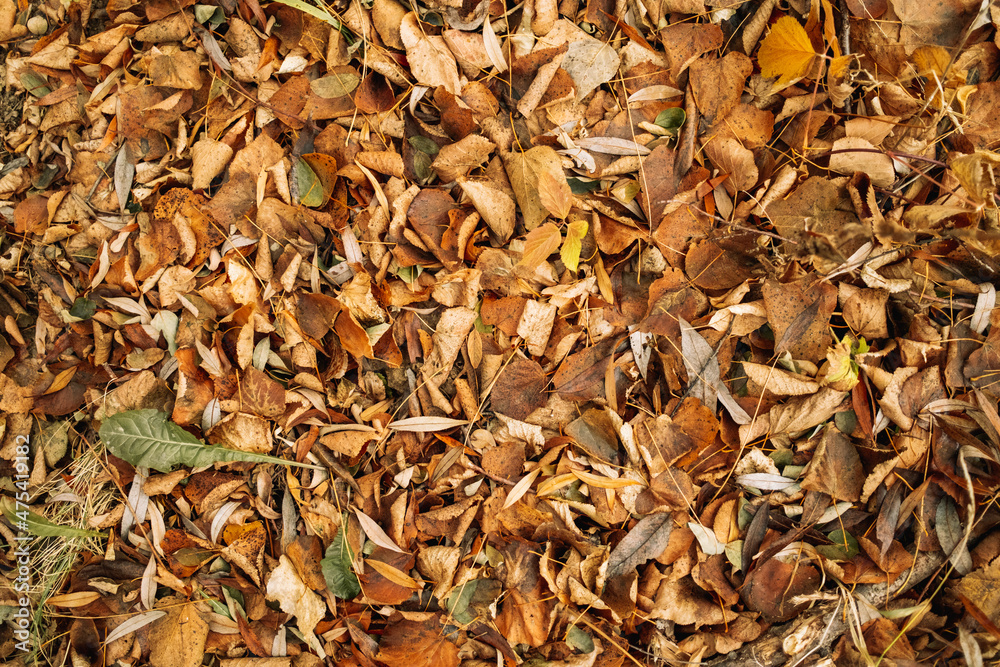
(570, 253)
(838, 68)
(830, 28)
(786, 52)
(553, 484)
(393, 574)
(541, 242)
(521, 487)
(601, 482)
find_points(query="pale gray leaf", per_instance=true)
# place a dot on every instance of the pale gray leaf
(124, 173)
(647, 540)
(133, 624)
(701, 364)
(765, 481)
(704, 376)
(951, 535)
(707, 541)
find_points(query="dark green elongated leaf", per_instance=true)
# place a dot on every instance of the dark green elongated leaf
(336, 566)
(39, 526)
(147, 438)
(647, 540)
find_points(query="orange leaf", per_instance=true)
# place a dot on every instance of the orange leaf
(786, 52)
(554, 193)
(541, 242)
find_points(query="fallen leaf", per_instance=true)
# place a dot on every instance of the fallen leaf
(417, 644)
(645, 541)
(285, 587)
(786, 52)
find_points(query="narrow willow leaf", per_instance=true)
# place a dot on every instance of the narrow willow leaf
(521, 488)
(133, 624)
(647, 540)
(124, 173)
(493, 48)
(41, 527)
(312, 10)
(375, 532)
(393, 574)
(571, 247)
(426, 424)
(148, 439)
(336, 566)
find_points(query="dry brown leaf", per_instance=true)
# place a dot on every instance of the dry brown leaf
(430, 60)
(778, 381)
(286, 588)
(458, 159)
(493, 204)
(730, 157)
(854, 154)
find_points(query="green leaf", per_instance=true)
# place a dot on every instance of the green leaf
(219, 608)
(434, 19)
(472, 599)
(336, 566)
(34, 83)
(581, 187)
(846, 421)
(844, 546)
(671, 119)
(41, 527)
(312, 10)
(734, 553)
(335, 85)
(147, 438)
(579, 640)
(310, 188)
(83, 308)
(424, 144)
(422, 165)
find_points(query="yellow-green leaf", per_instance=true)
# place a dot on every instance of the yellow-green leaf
(310, 188)
(570, 253)
(786, 52)
(541, 242)
(335, 85)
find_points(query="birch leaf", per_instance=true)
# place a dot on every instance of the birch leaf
(539, 244)
(786, 52)
(571, 247)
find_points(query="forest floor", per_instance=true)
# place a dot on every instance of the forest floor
(584, 334)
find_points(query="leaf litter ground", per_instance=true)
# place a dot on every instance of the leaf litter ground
(469, 333)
